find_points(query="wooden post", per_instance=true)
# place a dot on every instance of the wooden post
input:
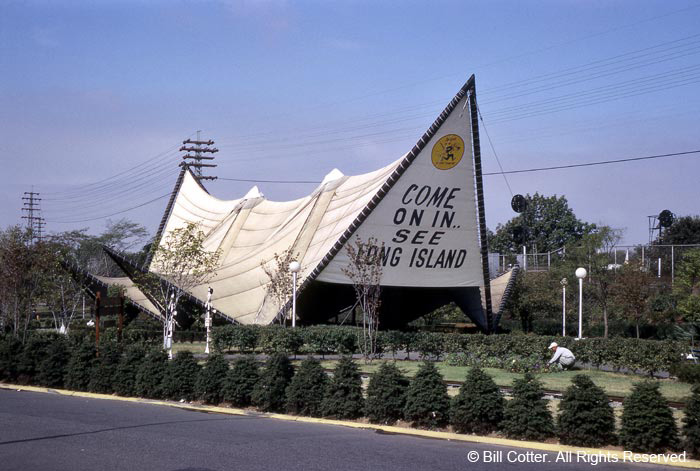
(98, 298)
(120, 323)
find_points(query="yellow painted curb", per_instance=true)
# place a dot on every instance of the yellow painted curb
(549, 447)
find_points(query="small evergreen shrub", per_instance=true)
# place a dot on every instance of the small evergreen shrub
(82, 356)
(527, 415)
(307, 389)
(209, 386)
(479, 406)
(104, 368)
(269, 392)
(343, 398)
(386, 395)
(181, 377)
(240, 381)
(151, 375)
(52, 368)
(585, 416)
(647, 421)
(125, 375)
(691, 424)
(33, 353)
(10, 350)
(427, 403)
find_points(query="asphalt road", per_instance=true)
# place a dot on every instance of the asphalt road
(49, 432)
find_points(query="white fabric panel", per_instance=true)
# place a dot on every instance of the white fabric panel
(132, 292)
(428, 221)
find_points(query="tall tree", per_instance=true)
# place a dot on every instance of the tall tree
(183, 263)
(687, 286)
(547, 224)
(684, 230)
(632, 290)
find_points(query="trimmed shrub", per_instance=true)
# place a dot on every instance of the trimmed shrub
(209, 386)
(319, 340)
(33, 353)
(10, 350)
(427, 403)
(104, 368)
(430, 345)
(151, 374)
(82, 356)
(647, 421)
(479, 406)
(269, 392)
(691, 424)
(527, 415)
(344, 394)
(686, 372)
(279, 339)
(125, 375)
(240, 381)
(179, 382)
(243, 338)
(386, 395)
(307, 389)
(52, 367)
(585, 416)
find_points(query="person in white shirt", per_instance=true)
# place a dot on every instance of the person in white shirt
(562, 356)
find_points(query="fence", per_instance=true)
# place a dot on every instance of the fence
(662, 260)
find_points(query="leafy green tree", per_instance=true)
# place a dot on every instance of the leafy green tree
(386, 395)
(585, 416)
(632, 291)
(182, 375)
(307, 388)
(684, 230)
(647, 423)
(687, 286)
(269, 392)
(127, 369)
(691, 424)
(478, 408)
(527, 415)
(427, 403)
(548, 223)
(241, 380)
(210, 380)
(343, 398)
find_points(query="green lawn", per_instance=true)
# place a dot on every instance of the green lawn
(614, 384)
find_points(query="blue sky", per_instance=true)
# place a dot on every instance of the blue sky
(97, 97)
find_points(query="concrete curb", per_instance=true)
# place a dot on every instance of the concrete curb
(547, 447)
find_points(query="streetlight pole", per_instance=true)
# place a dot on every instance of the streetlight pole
(207, 320)
(580, 274)
(563, 282)
(294, 267)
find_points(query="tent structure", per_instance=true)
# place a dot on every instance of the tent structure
(425, 209)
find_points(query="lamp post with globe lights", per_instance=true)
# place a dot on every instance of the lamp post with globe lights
(580, 274)
(294, 267)
(563, 283)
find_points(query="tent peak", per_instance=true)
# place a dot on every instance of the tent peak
(253, 193)
(333, 175)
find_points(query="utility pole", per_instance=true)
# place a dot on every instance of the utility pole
(194, 156)
(35, 223)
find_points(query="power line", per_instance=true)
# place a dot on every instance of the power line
(113, 214)
(244, 180)
(591, 164)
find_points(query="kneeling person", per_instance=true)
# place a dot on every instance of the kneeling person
(562, 356)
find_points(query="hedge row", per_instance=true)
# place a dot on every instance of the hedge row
(515, 352)
(585, 417)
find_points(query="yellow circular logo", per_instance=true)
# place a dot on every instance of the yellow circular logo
(448, 151)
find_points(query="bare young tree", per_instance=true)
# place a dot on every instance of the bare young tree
(180, 259)
(365, 272)
(279, 288)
